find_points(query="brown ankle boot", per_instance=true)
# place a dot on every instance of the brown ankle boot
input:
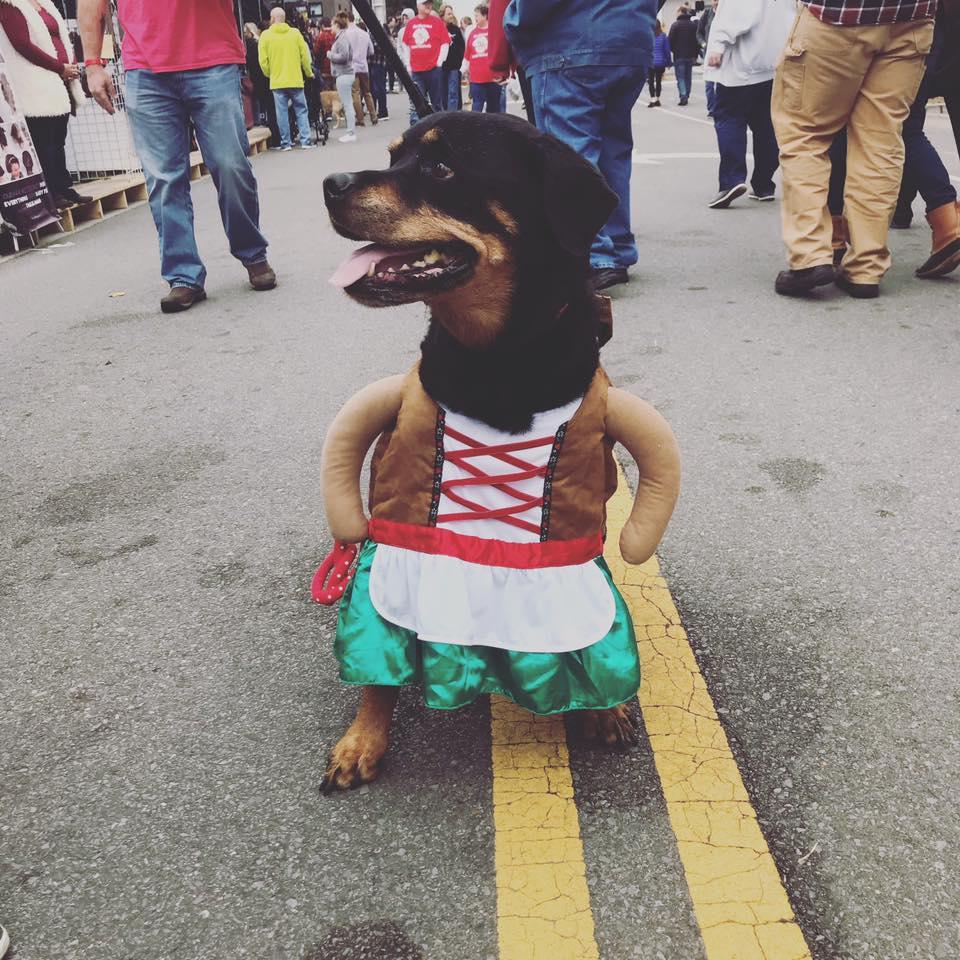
(945, 256)
(840, 240)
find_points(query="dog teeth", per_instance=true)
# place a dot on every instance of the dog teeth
(432, 257)
(419, 263)
(406, 266)
(372, 270)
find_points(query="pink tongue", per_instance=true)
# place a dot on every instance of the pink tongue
(357, 265)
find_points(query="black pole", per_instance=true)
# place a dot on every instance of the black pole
(383, 42)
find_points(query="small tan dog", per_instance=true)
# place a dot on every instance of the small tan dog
(332, 107)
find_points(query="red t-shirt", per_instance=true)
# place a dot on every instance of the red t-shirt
(478, 56)
(179, 34)
(425, 37)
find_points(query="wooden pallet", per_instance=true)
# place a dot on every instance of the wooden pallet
(125, 190)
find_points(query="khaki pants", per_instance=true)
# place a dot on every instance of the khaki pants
(864, 78)
(361, 90)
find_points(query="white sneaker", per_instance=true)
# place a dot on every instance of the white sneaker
(4, 941)
(307, 146)
(285, 149)
(349, 138)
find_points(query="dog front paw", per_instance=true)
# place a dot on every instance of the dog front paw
(353, 761)
(614, 727)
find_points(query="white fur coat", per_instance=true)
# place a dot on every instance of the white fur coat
(39, 92)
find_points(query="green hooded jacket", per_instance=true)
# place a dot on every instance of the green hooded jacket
(284, 57)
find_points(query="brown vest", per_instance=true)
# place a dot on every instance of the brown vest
(407, 464)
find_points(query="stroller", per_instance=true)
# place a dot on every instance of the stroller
(319, 122)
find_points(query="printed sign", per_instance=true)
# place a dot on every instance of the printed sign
(25, 201)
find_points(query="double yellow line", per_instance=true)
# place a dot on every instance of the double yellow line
(543, 901)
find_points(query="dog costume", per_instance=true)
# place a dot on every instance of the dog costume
(478, 542)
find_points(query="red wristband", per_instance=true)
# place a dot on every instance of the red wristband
(95, 62)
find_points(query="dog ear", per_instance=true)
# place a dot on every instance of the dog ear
(577, 199)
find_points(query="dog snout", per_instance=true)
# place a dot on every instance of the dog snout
(338, 185)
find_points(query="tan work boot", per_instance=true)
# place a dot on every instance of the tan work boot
(945, 256)
(181, 298)
(841, 240)
(261, 276)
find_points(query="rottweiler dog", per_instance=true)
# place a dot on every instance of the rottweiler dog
(489, 222)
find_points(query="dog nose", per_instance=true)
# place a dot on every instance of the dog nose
(338, 185)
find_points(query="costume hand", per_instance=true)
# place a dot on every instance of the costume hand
(101, 87)
(715, 59)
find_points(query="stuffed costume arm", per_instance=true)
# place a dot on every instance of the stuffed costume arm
(650, 441)
(354, 429)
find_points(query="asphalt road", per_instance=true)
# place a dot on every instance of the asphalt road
(169, 693)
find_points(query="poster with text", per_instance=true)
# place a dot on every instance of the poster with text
(25, 201)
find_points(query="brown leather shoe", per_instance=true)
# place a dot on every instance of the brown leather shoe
(261, 276)
(181, 298)
(945, 255)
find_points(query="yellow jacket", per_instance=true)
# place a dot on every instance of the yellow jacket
(284, 56)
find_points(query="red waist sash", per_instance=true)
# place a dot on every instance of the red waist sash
(490, 553)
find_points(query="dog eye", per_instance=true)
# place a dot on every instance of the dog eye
(439, 171)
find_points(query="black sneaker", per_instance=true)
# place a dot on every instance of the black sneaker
(683, 102)
(765, 197)
(725, 197)
(798, 283)
(859, 291)
(604, 277)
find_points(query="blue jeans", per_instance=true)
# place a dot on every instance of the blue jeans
(430, 83)
(589, 109)
(282, 98)
(378, 89)
(485, 95)
(684, 73)
(923, 170)
(710, 87)
(451, 89)
(159, 106)
(736, 109)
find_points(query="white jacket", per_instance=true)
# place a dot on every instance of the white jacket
(751, 35)
(39, 92)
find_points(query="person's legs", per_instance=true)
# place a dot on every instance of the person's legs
(923, 170)
(345, 92)
(838, 173)
(766, 153)
(652, 82)
(378, 87)
(422, 81)
(710, 88)
(355, 99)
(367, 96)
(453, 90)
(44, 135)
(875, 147)
(730, 123)
(435, 86)
(477, 98)
(158, 120)
(684, 71)
(616, 160)
(814, 91)
(213, 99)
(495, 95)
(299, 99)
(281, 105)
(49, 136)
(569, 104)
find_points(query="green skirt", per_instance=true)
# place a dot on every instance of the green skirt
(372, 650)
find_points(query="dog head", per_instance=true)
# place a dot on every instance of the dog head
(474, 210)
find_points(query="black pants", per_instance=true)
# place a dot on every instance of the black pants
(655, 81)
(49, 138)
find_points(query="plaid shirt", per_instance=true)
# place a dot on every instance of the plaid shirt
(868, 13)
